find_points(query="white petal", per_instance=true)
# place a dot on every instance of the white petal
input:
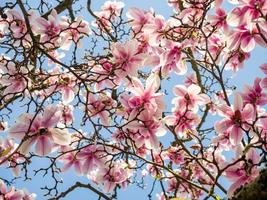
(61, 137)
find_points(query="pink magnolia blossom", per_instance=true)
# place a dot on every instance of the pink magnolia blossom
(254, 95)
(219, 19)
(223, 141)
(242, 173)
(127, 57)
(192, 14)
(216, 47)
(190, 97)
(155, 29)
(14, 194)
(18, 27)
(7, 148)
(108, 12)
(176, 155)
(172, 59)
(91, 158)
(118, 174)
(148, 97)
(111, 8)
(139, 18)
(67, 114)
(73, 32)
(237, 60)
(98, 106)
(244, 36)
(12, 78)
(66, 87)
(183, 120)
(247, 11)
(235, 118)
(40, 129)
(70, 159)
(148, 129)
(49, 29)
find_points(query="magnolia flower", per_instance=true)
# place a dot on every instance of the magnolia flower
(247, 12)
(139, 18)
(243, 173)
(148, 129)
(127, 57)
(244, 37)
(91, 158)
(12, 78)
(66, 87)
(98, 106)
(254, 95)
(189, 96)
(219, 19)
(111, 7)
(118, 174)
(183, 120)
(147, 97)
(73, 32)
(173, 61)
(235, 118)
(40, 129)
(71, 160)
(14, 194)
(49, 29)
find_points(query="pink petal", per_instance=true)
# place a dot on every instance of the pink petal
(152, 61)
(264, 68)
(67, 95)
(236, 135)
(248, 112)
(180, 90)
(253, 156)
(238, 102)
(51, 116)
(248, 43)
(223, 125)
(236, 185)
(153, 82)
(264, 83)
(104, 117)
(43, 146)
(170, 120)
(41, 21)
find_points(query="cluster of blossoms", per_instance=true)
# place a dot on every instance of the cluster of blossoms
(14, 194)
(105, 115)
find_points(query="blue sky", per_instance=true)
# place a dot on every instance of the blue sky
(244, 76)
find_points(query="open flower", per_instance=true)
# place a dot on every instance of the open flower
(40, 129)
(235, 118)
(127, 57)
(243, 172)
(190, 97)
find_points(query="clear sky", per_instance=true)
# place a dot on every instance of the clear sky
(244, 76)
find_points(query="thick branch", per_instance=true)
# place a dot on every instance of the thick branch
(81, 185)
(60, 7)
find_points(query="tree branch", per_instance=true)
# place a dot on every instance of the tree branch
(59, 8)
(81, 185)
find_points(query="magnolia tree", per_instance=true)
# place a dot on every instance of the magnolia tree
(127, 96)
